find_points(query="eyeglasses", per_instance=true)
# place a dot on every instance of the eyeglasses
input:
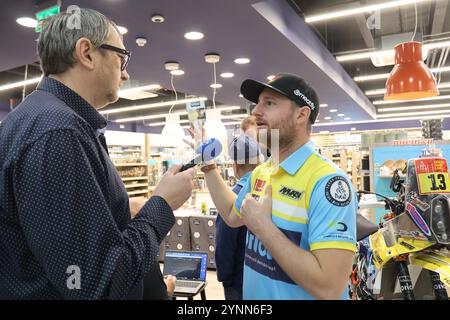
(125, 57)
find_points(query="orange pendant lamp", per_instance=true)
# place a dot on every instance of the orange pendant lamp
(410, 79)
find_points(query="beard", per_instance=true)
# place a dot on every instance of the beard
(277, 134)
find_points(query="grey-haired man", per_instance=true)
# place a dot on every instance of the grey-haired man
(65, 222)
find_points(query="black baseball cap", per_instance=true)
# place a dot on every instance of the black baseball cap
(289, 85)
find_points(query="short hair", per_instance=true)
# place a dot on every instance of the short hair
(247, 122)
(61, 32)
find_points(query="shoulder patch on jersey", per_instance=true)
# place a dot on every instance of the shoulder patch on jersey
(338, 192)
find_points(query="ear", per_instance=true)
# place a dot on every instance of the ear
(303, 114)
(83, 53)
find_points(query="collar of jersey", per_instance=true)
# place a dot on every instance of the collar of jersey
(295, 161)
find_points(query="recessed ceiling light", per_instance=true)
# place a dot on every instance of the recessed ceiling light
(122, 30)
(327, 118)
(341, 115)
(216, 85)
(324, 105)
(178, 72)
(333, 110)
(270, 77)
(194, 35)
(27, 22)
(242, 60)
(227, 75)
(347, 118)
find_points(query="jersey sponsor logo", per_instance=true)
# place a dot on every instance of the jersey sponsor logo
(417, 218)
(259, 185)
(338, 192)
(290, 193)
(259, 259)
(340, 226)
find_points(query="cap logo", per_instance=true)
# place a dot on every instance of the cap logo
(301, 95)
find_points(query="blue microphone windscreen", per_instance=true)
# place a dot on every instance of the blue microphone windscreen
(210, 149)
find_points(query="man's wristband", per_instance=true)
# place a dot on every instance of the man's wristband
(208, 167)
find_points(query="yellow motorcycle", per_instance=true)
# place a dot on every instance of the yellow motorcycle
(416, 232)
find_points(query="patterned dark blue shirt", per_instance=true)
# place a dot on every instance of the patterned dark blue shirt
(62, 204)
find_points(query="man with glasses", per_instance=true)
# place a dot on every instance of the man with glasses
(66, 227)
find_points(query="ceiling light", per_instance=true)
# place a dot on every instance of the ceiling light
(27, 22)
(376, 92)
(405, 114)
(410, 79)
(365, 9)
(327, 118)
(19, 84)
(194, 35)
(227, 75)
(347, 118)
(157, 18)
(353, 129)
(153, 105)
(162, 115)
(369, 54)
(386, 75)
(341, 115)
(422, 107)
(242, 61)
(178, 72)
(172, 134)
(333, 110)
(122, 30)
(216, 85)
(443, 116)
(380, 102)
(141, 88)
(270, 78)
(156, 124)
(324, 105)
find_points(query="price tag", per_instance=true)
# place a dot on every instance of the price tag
(432, 175)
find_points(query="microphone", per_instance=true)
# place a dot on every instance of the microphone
(208, 150)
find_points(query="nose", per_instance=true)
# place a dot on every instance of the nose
(257, 110)
(125, 76)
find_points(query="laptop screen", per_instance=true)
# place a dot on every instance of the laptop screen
(186, 265)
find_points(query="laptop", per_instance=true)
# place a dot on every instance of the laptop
(189, 267)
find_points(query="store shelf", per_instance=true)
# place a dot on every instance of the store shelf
(134, 178)
(135, 185)
(130, 164)
(137, 192)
